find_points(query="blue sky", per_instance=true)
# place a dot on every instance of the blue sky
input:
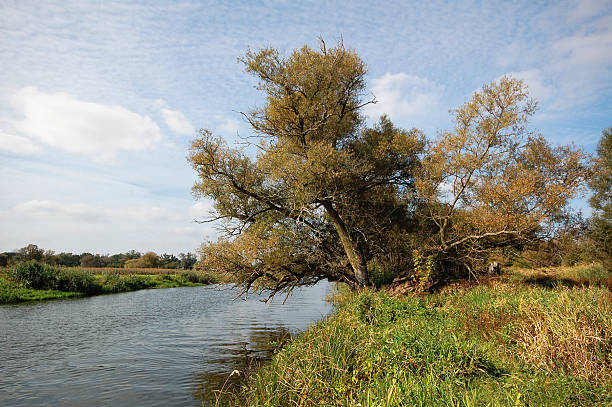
(99, 99)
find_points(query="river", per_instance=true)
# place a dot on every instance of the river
(169, 347)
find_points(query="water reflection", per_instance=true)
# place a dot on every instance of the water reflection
(236, 362)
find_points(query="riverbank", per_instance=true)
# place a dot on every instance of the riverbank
(35, 281)
(540, 337)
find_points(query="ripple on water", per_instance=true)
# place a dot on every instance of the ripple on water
(145, 348)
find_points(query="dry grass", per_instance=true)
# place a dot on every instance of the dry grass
(563, 325)
(134, 270)
(577, 276)
(575, 335)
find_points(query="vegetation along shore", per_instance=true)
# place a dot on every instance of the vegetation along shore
(34, 280)
(525, 338)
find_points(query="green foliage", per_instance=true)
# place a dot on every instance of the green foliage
(323, 194)
(380, 275)
(88, 260)
(37, 281)
(115, 283)
(424, 269)
(12, 292)
(601, 200)
(601, 179)
(199, 277)
(31, 252)
(42, 276)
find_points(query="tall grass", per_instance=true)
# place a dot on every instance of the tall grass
(133, 270)
(562, 330)
(11, 292)
(42, 276)
(578, 276)
(27, 281)
(506, 343)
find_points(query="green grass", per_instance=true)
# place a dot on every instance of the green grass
(505, 342)
(35, 281)
(11, 293)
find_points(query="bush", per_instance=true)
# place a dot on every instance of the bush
(199, 277)
(34, 274)
(115, 283)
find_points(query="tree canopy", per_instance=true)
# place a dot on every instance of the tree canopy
(601, 200)
(491, 182)
(328, 197)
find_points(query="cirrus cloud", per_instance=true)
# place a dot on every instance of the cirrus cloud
(63, 121)
(93, 213)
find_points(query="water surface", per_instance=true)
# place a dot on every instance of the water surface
(168, 347)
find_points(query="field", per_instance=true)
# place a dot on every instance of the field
(526, 338)
(36, 281)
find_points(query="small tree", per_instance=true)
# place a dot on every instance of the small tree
(491, 183)
(147, 260)
(601, 200)
(31, 252)
(168, 261)
(91, 260)
(187, 260)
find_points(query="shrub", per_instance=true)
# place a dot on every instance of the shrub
(34, 274)
(199, 277)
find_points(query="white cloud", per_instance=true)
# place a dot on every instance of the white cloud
(201, 209)
(60, 120)
(91, 213)
(17, 144)
(535, 80)
(569, 68)
(229, 126)
(404, 96)
(177, 121)
(83, 227)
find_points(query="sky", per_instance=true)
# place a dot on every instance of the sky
(99, 100)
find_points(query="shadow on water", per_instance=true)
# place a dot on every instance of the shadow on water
(243, 358)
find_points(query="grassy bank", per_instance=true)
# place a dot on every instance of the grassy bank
(34, 281)
(531, 338)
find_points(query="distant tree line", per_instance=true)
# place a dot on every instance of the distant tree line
(129, 259)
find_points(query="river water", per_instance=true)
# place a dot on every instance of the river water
(169, 347)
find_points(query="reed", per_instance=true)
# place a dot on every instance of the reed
(36, 281)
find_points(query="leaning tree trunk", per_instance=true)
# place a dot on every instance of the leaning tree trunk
(353, 253)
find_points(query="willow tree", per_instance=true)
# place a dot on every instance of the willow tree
(323, 193)
(492, 183)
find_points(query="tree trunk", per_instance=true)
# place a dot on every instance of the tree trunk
(354, 254)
